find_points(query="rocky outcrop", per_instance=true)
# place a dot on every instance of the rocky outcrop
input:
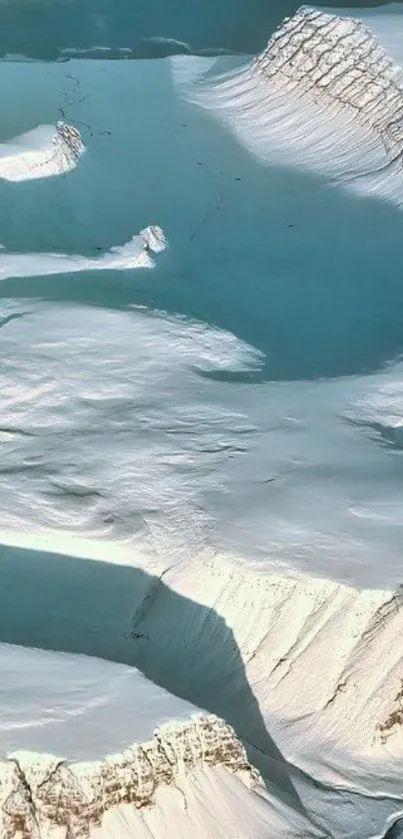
(41, 795)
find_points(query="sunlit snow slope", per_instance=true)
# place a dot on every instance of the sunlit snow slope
(201, 435)
(89, 711)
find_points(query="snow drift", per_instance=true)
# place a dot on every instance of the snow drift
(133, 254)
(41, 153)
(324, 95)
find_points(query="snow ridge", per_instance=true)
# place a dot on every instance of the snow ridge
(44, 152)
(324, 96)
(41, 795)
(339, 60)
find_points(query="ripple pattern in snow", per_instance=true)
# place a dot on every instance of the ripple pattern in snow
(323, 95)
(339, 62)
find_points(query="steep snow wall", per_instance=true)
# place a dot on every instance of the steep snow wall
(291, 662)
(45, 796)
(41, 153)
(324, 660)
(325, 94)
(69, 768)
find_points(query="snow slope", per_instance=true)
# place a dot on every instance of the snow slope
(199, 479)
(241, 650)
(41, 153)
(324, 95)
(138, 774)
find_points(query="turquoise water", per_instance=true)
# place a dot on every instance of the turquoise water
(244, 396)
(232, 402)
(44, 29)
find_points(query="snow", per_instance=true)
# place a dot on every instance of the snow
(109, 705)
(43, 152)
(133, 254)
(198, 480)
(106, 752)
(324, 95)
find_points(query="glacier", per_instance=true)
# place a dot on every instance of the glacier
(200, 428)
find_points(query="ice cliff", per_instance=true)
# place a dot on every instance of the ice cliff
(42, 796)
(326, 94)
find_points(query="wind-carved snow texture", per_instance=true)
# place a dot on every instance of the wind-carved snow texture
(40, 794)
(340, 63)
(44, 152)
(68, 141)
(324, 96)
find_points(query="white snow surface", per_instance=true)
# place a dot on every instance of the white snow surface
(169, 502)
(46, 695)
(43, 152)
(112, 754)
(133, 254)
(326, 95)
